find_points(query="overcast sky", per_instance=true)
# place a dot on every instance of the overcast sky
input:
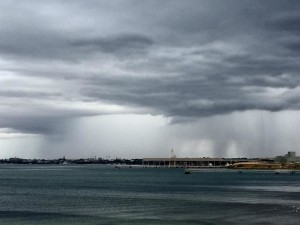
(132, 78)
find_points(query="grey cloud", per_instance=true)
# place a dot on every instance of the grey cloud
(173, 96)
(28, 94)
(26, 116)
(293, 46)
(34, 124)
(252, 69)
(66, 48)
(284, 30)
(34, 32)
(189, 59)
(114, 44)
(286, 23)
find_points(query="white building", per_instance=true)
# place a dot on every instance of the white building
(288, 158)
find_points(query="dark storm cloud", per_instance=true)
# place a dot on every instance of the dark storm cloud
(286, 23)
(34, 124)
(114, 44)
(293, 46)
(184, 60)
(66, 48)
(177, 97)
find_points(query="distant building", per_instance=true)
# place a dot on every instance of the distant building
(288, 158)
(193, 162)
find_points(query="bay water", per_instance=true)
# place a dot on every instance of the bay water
(104, 195)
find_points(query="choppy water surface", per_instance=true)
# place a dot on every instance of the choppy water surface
(95, 195)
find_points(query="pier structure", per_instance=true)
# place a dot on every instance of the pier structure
(193, 162)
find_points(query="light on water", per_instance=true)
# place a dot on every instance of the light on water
(95, 195)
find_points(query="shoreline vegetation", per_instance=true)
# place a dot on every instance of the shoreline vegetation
(63, 160)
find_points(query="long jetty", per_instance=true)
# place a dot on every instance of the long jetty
(193, 162)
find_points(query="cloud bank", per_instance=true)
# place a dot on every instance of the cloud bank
(184, 61)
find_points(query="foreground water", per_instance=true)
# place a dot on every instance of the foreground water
(95, 195)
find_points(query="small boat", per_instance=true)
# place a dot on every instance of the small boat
(292, 172)
(284, 171)
(277, 172)
(187, 171)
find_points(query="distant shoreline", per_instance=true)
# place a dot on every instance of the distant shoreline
(265, 166)
(64, 161)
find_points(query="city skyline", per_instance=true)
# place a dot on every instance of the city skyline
(135, 79)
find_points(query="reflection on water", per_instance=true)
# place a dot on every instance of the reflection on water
(97, 195)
